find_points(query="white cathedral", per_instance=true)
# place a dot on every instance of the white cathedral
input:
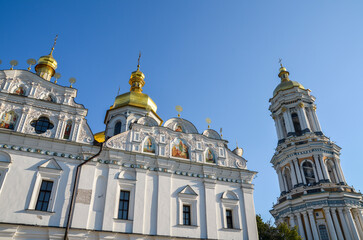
(139, 179)
(315, 196)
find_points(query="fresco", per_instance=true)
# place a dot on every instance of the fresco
(180, 149)
(179, 129)
(209, 156)
(8, 120)
(149, 146)
(20, 91)
(67, 131)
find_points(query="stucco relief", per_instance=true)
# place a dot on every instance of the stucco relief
(85, 134)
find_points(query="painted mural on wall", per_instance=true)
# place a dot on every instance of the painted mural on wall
(149, 146)
(179, 129)
(209, 156)
(8, 120)
(67, 131)
(180, 149)
(20, 91)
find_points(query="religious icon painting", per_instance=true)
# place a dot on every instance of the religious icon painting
(8, 120)
(179, 128)
(209, 156)
(20, 91)
(149, 146)
(67, 131)
(180, 149)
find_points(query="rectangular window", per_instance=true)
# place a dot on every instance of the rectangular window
(123, 208)
(44, 196)
(186, 215)
(229, 218)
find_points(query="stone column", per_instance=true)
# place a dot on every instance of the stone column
(281, 181)
(313, 224)
(300, 225)
(315, 119)
(352, 224)
(323, 167)
(318, 167)
(279, 136)
(302, 174)
(163, 226)
(293, 175)
(339, 169)
(359, 214)
(292, 220)
(336, 223)
(344, 224)
(210, 208)
(329, 220)
(288, 122)
(297, 170)
(307, 226)
(357, 223)
(312, 126)
(139, 207)
(303, 115)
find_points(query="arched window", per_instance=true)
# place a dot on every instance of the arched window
(332, 171)
(308, 172)
(149, 146)
(8, 120)
(296, 122)
(41, 125)
(20, 91)
(117, 129)
(209, 156)
(67, 130)
(287, 176)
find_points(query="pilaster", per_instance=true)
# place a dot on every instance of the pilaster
(313, 224)
(307, 226)
(329, 220)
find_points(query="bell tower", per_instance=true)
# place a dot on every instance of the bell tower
(314, 195)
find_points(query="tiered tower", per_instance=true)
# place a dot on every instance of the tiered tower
(315, 196)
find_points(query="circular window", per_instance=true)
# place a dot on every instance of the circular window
(41, 125)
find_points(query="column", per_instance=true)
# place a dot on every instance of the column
(336, 223)
(288, 122)
(315, 118)
(318, 167)
(21, 121)
(139, 207)
(357, 223)
(305, 118)
(323, 167)
(315, 173)
(352, 224)
(293, 175)
(300, 224)
(339, 169)
(298, 172)
(313, 224)
(344, 224)
(291, 220)
(210, 208)
(307, 226)
(163, 226)
(313, 126)
(329, 221)
(359, 214)
(302, 174)
(279, 136)
(281, 181)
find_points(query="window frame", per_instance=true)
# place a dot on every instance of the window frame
(230, 201)
(188, 214)
(187, 196)
(229, 218)
(122, 201)
(125, 185)
(45, 191)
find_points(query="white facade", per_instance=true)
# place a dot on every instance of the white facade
(315, 196)
(161, 169)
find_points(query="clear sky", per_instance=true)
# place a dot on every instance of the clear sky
(217, 59)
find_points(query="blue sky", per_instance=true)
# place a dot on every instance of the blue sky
(217, 59)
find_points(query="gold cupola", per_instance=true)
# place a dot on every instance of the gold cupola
(47, 64)
(136, 98)
(286, 83)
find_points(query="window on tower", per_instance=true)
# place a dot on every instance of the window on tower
(117, 128)
(309, 172)
(296, 122)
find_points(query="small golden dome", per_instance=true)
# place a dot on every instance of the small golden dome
(99, 137)
(286, 83)
(47, 64)
(136, 99)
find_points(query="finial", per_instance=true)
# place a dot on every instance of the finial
(208, 121)
(55, 41)
(13, 63)
(118, 91)
(236, 143)
(280, 61)
(179, 109)
(31, 62)
(72, 81)
(220, 131)
(138, 61)
(57, 76)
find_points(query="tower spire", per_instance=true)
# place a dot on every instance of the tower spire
(47, 64)
(55, 42)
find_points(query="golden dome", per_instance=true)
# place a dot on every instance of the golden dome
(47, 64)
(286, 83)
(99, 137)
(136, 99)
